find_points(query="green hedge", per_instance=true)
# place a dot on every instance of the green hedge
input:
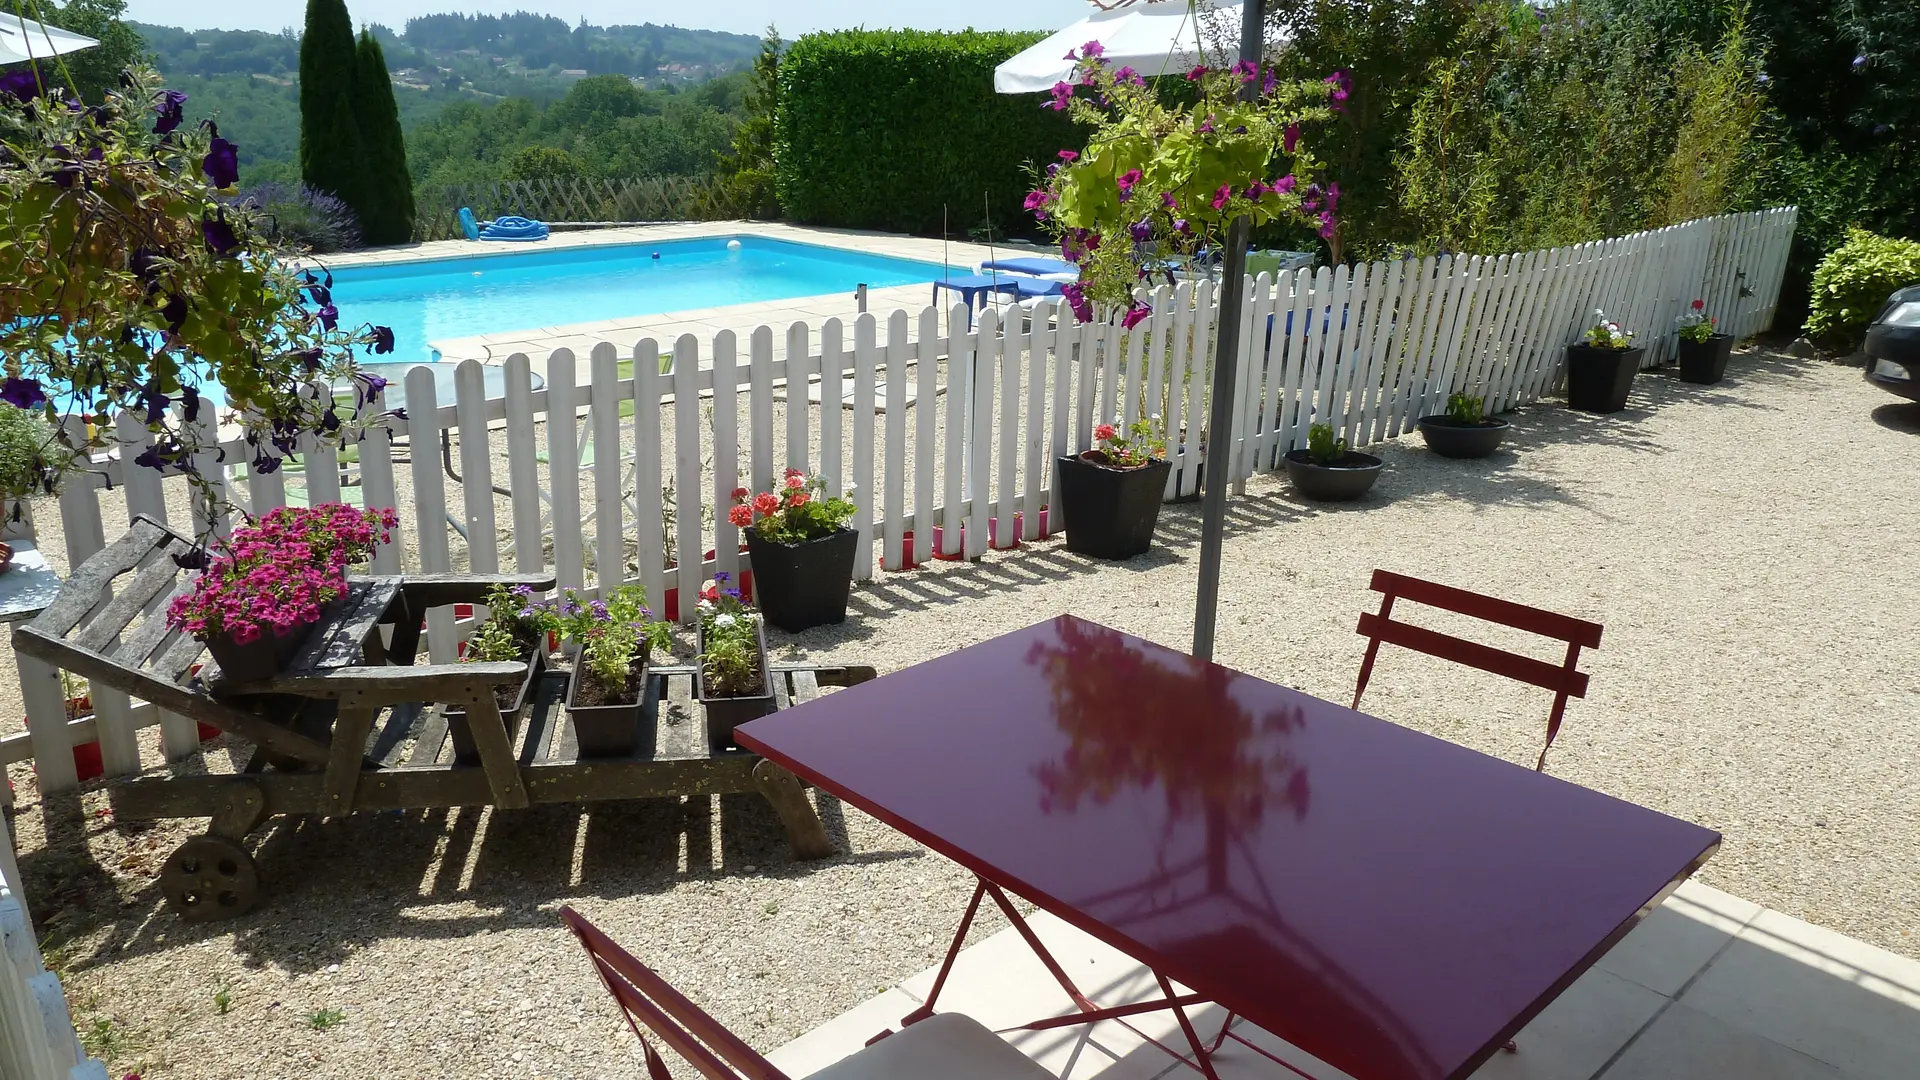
(892, 129)
(1852, 283)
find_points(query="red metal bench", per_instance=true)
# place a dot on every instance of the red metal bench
(1565, 681)
(948, 1046)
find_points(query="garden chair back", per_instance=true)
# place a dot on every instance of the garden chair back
(646, 998)
(1565, 680)
(945, 1046)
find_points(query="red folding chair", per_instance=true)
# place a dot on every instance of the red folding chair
(947, 1046)
(1565, 681)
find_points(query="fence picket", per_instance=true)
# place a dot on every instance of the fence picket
(609, 528)
(833, 385)
(960, 365)
(649, 388)
(726, 450)
(894, 457)
(429, 503)
(926, 427)
(563, 470)
(865, 350)
(688, 491)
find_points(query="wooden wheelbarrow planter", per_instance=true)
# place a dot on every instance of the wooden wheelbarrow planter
(351, 724)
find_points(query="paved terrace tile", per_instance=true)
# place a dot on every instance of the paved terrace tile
(1709, 986)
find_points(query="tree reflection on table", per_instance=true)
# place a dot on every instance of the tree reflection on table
(1163, 720)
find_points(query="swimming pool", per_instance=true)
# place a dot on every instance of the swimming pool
(432, 300)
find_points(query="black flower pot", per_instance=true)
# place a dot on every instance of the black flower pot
(1449, 438)
(458, 729)
(1343, 481)
(805, 584)
(1598, 380)
(262, 658)
(1705, 362)
(607, 730)
(728, 711)
(1110, 512)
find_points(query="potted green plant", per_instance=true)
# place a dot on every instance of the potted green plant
(1601, 367)
(731, 679)
(26, 445)
(801, 550)
(611, 641)
(514, 631)
(1703, 351)
(1111, 494)
(1327, 470)
(1464, 430)
(271, 583)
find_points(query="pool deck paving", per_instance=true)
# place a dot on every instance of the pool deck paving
(1708, 986)
(537, 343)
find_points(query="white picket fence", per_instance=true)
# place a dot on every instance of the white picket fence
(927, 422)
(37, 1040)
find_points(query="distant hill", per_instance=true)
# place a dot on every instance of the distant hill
(483, 52)
(246, 79)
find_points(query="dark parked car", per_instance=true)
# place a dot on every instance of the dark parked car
(1893, 345)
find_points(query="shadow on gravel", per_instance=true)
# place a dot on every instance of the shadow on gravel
(1901, 416)
(332, 887)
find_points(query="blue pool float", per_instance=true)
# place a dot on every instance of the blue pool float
(469, 226)
(514, 228)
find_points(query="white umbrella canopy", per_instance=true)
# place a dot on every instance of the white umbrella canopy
(24, 39)
(1152, 39)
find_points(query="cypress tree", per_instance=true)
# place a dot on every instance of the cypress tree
(330, 149)
(386, 200)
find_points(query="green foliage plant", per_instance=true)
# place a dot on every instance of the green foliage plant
(744, 174)
(792, 512)
(27, 449)
(901, 130)
(331, 148)
(730, 660)
(1322, 448)
(1156, 183)
(611, 636)
(385, 205)
(546, 163)
(517, 623)
(1852, 283)
(129, 281)
(1694, 324)
(1604, 333)
(1466, 410)
(90, 73)
(1131, 451)
(1717, 150)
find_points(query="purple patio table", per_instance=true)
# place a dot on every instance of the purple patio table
(1395, 905)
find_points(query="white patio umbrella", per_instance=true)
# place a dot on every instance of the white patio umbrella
(24, 39)
(1152, 39)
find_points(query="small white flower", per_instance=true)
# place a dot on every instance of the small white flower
(705, 605)
(723, 620)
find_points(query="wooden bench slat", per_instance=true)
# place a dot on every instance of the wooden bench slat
(84, 587)
(138, 647)
(106, 624)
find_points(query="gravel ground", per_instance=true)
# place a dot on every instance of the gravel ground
(1743, 544)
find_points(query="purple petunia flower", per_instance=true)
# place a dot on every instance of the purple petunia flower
(1206, 126)
(168, 111)
(1284, 184)
(1342, 84)
(1076, 296)
(1221, 197)
(1134, 315)
(1197, 73)
(23, 393)
(1291, 139)
(382, 344)
(222, 163)
(1167, 200)
(1141, 230)
(1333, 196)
(175, 312)
(189, 404)
(21, 84)
(1326, 224)
(1062, 94)
(219, 233)
(329, 316)
(1126, 181)
(1069, 156)
(1247, 70)
(1181, 226)
(1093, 50)
(1036, 200)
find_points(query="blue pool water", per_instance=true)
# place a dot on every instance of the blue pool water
(451, 298)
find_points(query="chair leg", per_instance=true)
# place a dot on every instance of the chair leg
(1373, 650)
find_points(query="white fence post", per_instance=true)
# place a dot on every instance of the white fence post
(37, 1040)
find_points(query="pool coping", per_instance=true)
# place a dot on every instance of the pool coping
(665, 327)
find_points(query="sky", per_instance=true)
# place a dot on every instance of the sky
(793, 17)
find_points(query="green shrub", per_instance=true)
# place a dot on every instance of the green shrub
(546, 163)
(26, 440)
(901, 130)
(1851, 284)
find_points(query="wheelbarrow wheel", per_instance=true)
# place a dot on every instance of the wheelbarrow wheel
(209, 878)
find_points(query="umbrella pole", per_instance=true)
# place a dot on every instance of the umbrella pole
(1213, 503)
